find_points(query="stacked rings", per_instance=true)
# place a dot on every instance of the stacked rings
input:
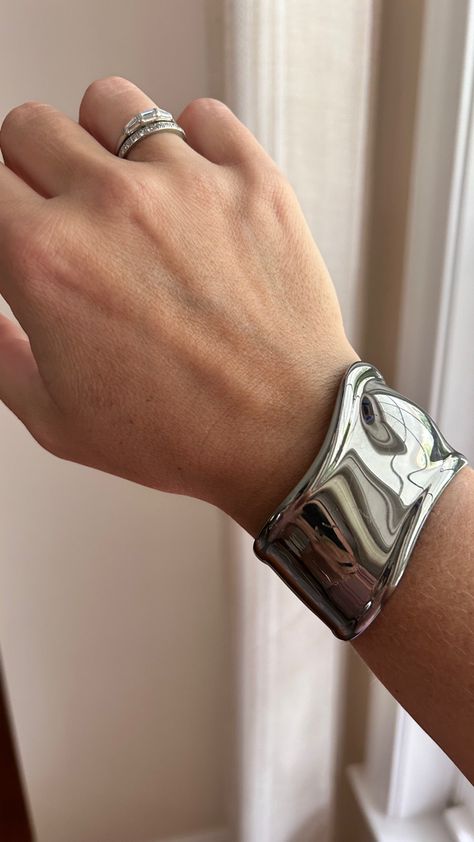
(147, 122)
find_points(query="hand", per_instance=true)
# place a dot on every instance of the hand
(180, 327)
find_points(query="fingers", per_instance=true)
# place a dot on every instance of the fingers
(52, 153)
(21, 386)
(214, 131)
(47, 149)
(108, 104)
(18, 203)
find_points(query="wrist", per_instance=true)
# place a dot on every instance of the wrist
(342, 538)
(286, 445)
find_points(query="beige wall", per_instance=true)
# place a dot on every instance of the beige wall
(113, 598)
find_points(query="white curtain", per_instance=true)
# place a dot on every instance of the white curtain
(299, 75)
(367, 107)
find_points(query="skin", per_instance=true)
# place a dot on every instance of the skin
(179, 328)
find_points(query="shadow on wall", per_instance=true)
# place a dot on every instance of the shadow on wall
(14, 820)
(315, 828)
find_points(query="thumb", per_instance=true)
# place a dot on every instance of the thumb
(21, 387)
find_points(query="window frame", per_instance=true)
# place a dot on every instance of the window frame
(407, 787)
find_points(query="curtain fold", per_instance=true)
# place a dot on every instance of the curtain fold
(299, 74)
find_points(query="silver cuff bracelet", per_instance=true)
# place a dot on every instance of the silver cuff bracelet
(342, 538)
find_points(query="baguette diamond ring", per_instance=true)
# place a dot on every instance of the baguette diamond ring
(146, 122)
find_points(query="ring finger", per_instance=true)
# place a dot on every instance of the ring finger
(108, 104)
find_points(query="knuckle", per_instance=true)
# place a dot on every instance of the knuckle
(107, 83)
(266, 191)
(270, 183)
(208, 103)
(263, 177)
(202, 106)
(22, 114)
(115, 189)
(100, 88)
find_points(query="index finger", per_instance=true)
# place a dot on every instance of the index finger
(17, 201)
(15, 194)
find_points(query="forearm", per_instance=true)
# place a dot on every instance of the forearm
(421, 646)
(180, 329)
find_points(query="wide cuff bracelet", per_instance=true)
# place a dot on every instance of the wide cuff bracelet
(342, 538)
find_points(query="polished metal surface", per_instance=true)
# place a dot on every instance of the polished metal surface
(152, 128)
(342, 539)
(144, 118)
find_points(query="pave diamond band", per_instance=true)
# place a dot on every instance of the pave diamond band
(152, 128)
(146, 122)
